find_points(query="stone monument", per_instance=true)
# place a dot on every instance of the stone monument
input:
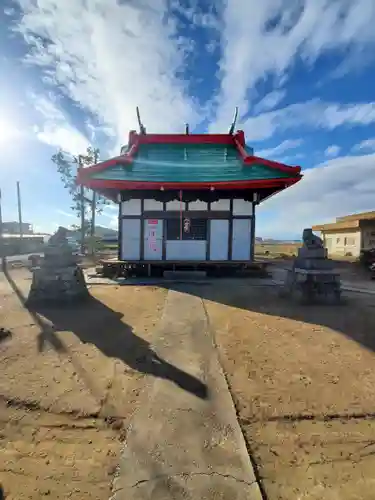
(312, 274)
(59, 278)
(312, 254)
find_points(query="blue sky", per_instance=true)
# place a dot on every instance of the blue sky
(301, 71)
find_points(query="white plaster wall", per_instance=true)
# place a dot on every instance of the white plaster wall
(220, 205)
(197, 205)
(153, 205)
(175, 205)
(241, 239)
(219, 232)
(131, 239)
(131, 207)
(186, 250)
(242, 207)
(368, 236)
(343, 243)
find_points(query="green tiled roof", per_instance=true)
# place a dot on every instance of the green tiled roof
(188, 163)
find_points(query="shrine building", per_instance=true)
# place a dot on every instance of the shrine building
(187, 199)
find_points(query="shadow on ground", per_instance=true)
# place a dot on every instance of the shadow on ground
(4, 335)
(355, 318)
(95, 323)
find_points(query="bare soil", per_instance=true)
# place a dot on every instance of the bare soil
(275, 250)
(303, 381)
(302, 378)
(70, 381)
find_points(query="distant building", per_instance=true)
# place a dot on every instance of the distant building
(14, 228)
(13, 244)
(349, 235)
(102, 233)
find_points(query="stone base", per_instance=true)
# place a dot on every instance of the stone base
(60, 285)
(314, 264)
(312, 253)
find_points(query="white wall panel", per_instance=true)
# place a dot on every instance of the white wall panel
(220, 205)
(242, 207)
(186, 250)
(131, 207)
(219, 232)
(197, 205)
(153, 205)
(241, 239)
(175, 205)
(131, 239)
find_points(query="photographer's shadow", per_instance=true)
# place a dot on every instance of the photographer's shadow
(93, 322)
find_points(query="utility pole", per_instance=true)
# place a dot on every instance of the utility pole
(93, 202)
(82, 205)
(19, 210)
(1, 218)
(2, 249)
(82, 219)
(93, 210)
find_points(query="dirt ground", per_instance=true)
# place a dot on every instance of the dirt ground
(302, 378)
(68, 387)
(274, 250)
(303, 381)
(284, 250)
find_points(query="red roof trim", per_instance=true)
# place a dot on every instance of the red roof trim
(135, 140)
(128, 157)
(124, 185)
(186, 139)
(251, 160)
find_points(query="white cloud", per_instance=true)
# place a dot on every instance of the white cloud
(314, 113)
(110, 208)
(63, 138)
(111, 212)
(66, 214)
(212, 46)
(334, 188)
(54, 128)
(110, 57)
(262, 39)
(368, 145)
(291, 159)
(197, 13)
(114, 223)
(270, 101)
(45, 227)
(332, 150)
(280, 149)
(9, 133)
(112, 216)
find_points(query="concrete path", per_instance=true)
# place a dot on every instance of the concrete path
(184, 442)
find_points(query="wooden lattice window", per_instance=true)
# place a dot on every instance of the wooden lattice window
(192, 229)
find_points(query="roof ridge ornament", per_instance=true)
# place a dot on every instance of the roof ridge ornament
(231, 130)
(142, 128)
